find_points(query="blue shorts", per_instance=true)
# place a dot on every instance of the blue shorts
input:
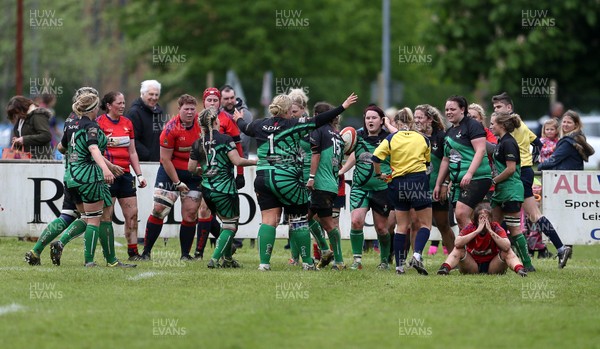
(164, 182)
(527, 179)
(339, 202)
(410, 191)
(123, 186)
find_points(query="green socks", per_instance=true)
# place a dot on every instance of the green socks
(302, 236)
(89, 242)
(266, 240)
(336, 244)
(106, 235)
(53, 229)
(357, 238)
(521, 244)
(74, 230)
(384, 247)
(224, 240)
(294, 248)
(317, 232)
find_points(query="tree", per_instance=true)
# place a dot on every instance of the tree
(502, 45)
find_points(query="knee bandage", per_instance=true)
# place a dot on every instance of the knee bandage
(192, 194)
(231, 224)
(163, 199)
(92, 214)
(72, 213)
(298, 221)
(512, 221)
(335, 213)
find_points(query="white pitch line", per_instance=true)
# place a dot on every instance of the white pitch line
(11, 308)
(144, 275)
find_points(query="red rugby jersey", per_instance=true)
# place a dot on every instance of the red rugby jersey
(483, 248)
(180, 139)
(119, 133)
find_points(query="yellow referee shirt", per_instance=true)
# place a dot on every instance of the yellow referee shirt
(409, 152)
(524, 138)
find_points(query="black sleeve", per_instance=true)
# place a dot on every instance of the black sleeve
(315, 142)
(511, 152)
(64, 141)
(328, 116)
(198, 153)
(92, 134)
(246, 128)
(537, 143)
(476, 130)
(138, 131)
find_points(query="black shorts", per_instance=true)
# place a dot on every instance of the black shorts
(267, 200)
(438, 206)
(508, 206)
(483, 267)
(410, 191)
(339, 202)
(527, 179)
(164, 182)
(123, 186)
(224, 205)
(74, 196)
(68, 202)
(321, 203)
(474, 194)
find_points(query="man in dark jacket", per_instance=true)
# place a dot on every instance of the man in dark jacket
(148, 121)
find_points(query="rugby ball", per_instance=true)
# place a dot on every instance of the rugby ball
(348, 135)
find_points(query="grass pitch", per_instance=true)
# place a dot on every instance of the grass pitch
(166, 303)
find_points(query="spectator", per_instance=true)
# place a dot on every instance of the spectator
(549, 139)
(229, 127)
(48, 101)
(557, 110)
(572, 149)
(31, 130)
(148, 121)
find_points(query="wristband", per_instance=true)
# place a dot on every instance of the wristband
(139, 175)
(493, 181)
(177, 184)
(445, 184)
(312, 176)
(378, 175)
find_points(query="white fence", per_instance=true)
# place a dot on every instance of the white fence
(31, 196)
(571, 201)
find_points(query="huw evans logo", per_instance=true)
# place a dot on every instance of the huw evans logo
(290, 19)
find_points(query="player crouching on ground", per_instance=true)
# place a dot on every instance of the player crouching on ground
(476, 248)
